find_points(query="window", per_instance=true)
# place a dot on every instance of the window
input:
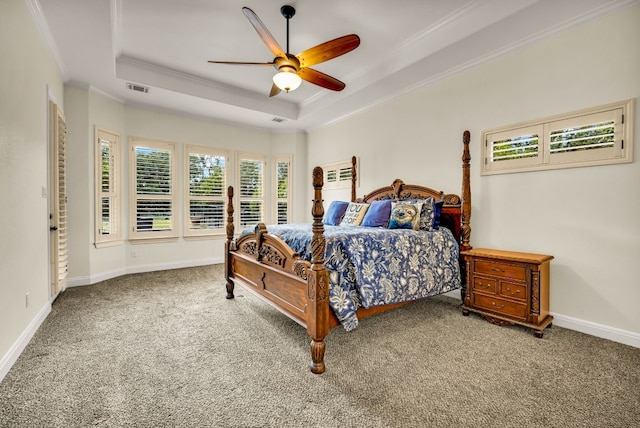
(338, 175)
(597, 136)
(250, 172)
(283, 189)
(107, 188)
(205, 190)
(153, 189)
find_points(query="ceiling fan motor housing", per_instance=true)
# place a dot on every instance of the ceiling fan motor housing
(287, 11)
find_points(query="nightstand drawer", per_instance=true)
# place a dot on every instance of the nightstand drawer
(513, 291)
(503, 270)
(499, 306)
(484, 285)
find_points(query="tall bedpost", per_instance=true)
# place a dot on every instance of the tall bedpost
(466, 194)
(354, 175)
(465, 219)
(229, 242)
(318, 281)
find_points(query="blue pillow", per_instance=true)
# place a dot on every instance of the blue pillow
(378, 214)
(335, 212)
(437, 210)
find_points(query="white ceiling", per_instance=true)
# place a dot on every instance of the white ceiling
(405, 44)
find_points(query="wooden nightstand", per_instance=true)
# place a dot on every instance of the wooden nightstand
(508, 287)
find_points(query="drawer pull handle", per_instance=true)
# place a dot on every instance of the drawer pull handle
(496, 306)
(497, 270)
(513, 292)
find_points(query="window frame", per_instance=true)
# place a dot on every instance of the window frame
(621, 113)
(172, 197)
(241, 156)
(102, 135)
(277, 200)
(188, 232)
(338, 175)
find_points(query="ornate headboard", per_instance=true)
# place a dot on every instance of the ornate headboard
(398, 190)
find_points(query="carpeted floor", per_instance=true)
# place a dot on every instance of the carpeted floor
(166, 349)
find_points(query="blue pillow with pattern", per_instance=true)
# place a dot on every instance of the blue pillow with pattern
(405, 215)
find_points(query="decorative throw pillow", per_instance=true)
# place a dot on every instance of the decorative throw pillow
(427, 214)
(405, 215)
(354, 214)
(378, 214)
(437, 211)
(335, 212)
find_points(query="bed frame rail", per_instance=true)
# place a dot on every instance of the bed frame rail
(267, 267)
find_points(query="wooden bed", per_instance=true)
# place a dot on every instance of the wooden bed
(266, 266)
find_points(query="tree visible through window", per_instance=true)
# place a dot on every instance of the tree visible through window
(153, 189)
(597, 136)
(206, 184)
(283, 184)
(107, 196)
(251, 189)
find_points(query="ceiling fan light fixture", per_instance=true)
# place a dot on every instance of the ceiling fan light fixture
(287, 79)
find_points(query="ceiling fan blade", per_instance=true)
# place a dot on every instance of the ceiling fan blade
(318, 78)
(241, 63)
(328, 50)
(264, 34)
(274, 91)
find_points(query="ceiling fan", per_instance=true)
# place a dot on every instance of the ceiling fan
(292, 69)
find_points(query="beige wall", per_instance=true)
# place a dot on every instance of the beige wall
(585, 217)
(91, 109)
(28, 79)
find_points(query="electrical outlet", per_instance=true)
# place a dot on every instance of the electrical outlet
(26, 300)
(134, 253)
(44, 192)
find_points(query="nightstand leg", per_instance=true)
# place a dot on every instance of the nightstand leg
(538, 333)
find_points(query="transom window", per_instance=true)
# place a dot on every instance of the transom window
(597, 136)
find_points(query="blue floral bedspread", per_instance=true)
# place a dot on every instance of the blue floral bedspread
(375, 266)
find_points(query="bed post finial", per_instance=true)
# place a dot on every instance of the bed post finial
(466, 194)
(229, 242)
(354, 178)
(318, 280)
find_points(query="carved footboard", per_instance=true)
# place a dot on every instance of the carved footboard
(266, 266)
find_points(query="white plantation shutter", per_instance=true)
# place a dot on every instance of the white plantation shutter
(514, 148)
(251, 189)
(107, 220)
(594, 136)
(60, 257)
(283, 185)
(153, 169)
(586, 138)
(206, 191)
(338, 175)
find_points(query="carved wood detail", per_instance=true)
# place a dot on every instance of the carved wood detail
(262, 260)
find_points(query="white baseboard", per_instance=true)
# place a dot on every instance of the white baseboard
(598, 330)
(9, 359)
(79, 281)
